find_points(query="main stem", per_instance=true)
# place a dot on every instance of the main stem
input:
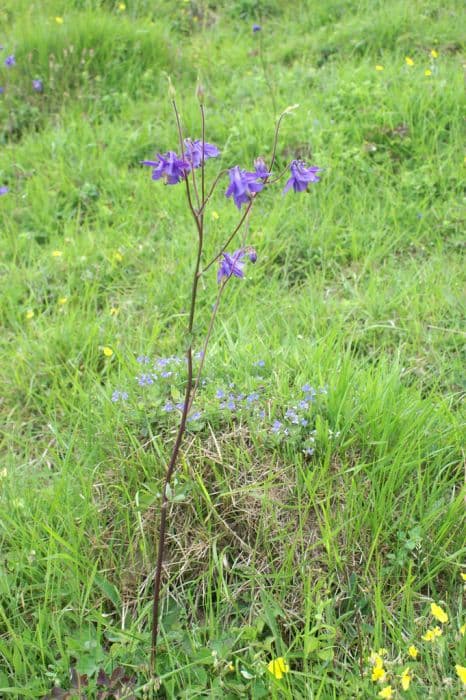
(182, 427)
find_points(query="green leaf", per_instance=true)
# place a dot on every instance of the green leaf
(109, 590)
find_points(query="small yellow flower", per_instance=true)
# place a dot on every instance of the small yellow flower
(431, 635)
(379, 68)
(230, 667)
(278, 667)
(409, 61)
(463, 630)
(406, 678)
(412, 651)
(463, 576)
(59, 20)
(30, 314)
(117, 256)
(438, 613)
(121, 7)
(56, 253)
(378, 674)
(434, 53)
(108, 352)
(427, 72)
(386, 692)
(376, 659)
(3, 473)
(62, 300)
(214, 216)
(114, 311)
(461, 671)
(382, 651)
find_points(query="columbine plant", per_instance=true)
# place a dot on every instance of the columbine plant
(188, 167)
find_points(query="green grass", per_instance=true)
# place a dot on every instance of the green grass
(357, 288)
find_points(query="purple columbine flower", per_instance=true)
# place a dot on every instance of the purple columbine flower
(169, 167)
(38, 85)
(231, 265)
(261, 168)
(193, 152)
(10, 61)
(256, 28)
(4, 190)
(301, 176)
(242, 185)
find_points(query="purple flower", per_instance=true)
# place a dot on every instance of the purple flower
(169, 167)
(2, 90)
(231, 265)
(252, 397)
(195, 416)
(242, 185)
(261, 168)
(220, 394)
(119, 396)
(256, 28)
(38, 85)
(166, 374)
(4, 190)
(193, 152)
(303, 404)
(276, 426)
(301, 176)
(10, 61)
(168, 407)
(259, 363)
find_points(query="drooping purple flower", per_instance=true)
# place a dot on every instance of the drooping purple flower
(261, 168)
(231, 265)
(38, 85)
(169, 167)
(193, 152)
(256, 28)
(242, 185)
(10, 61)
(4, 190)
(301, 176)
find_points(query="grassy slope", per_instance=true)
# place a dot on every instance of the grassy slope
(356, 287)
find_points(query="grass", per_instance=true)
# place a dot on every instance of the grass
(357, 288)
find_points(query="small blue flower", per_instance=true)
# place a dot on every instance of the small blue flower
(145, 380)
(252, 398)
(38, 85)
(304, 422)
(166, 374)
(259, 363)
(261, 413)
(220, 394)
(303, 405)
(4, 190)
(195, 416)
(119, 396)
(256, 28)
(143, 360)
(276, 427)
(10, 61)
(168, 407)
(163, 361)
(309, 451)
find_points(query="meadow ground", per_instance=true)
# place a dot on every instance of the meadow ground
(273, 552)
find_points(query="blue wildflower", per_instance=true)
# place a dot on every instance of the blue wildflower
(243, 185)
(119, 396)
(38, 85)
(261, 168)
(256, 28)
(145, 380)
(252, 398)
(4, 190)
(301, 176)
(195, 416)
(259, 363)
(165, 374)
(168, 407)
(309, 451)
(231, 265)
(169, 167)
(143, 359)
(303, 405)
(276, 426)
(193, 152)
(10, 61)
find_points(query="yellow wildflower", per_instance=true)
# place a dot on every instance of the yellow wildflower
(427, 72)
(386, 692)
(463, 630)
(117, 256)
(62, 300)
(409, 61)
(412, 651)
(214, 215)
(29, 314)
(438, 613)
(382, 651)
(379, 68)
(378, 674)
(431, 635)
(56, 253)
(3, 473)
(121, 7)
(59, 20)
(278, 667)
(461, 671)
(434, 53)
(406, 678)
(108, 352)
(114, 311)
(230, 667)
(463, 576)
